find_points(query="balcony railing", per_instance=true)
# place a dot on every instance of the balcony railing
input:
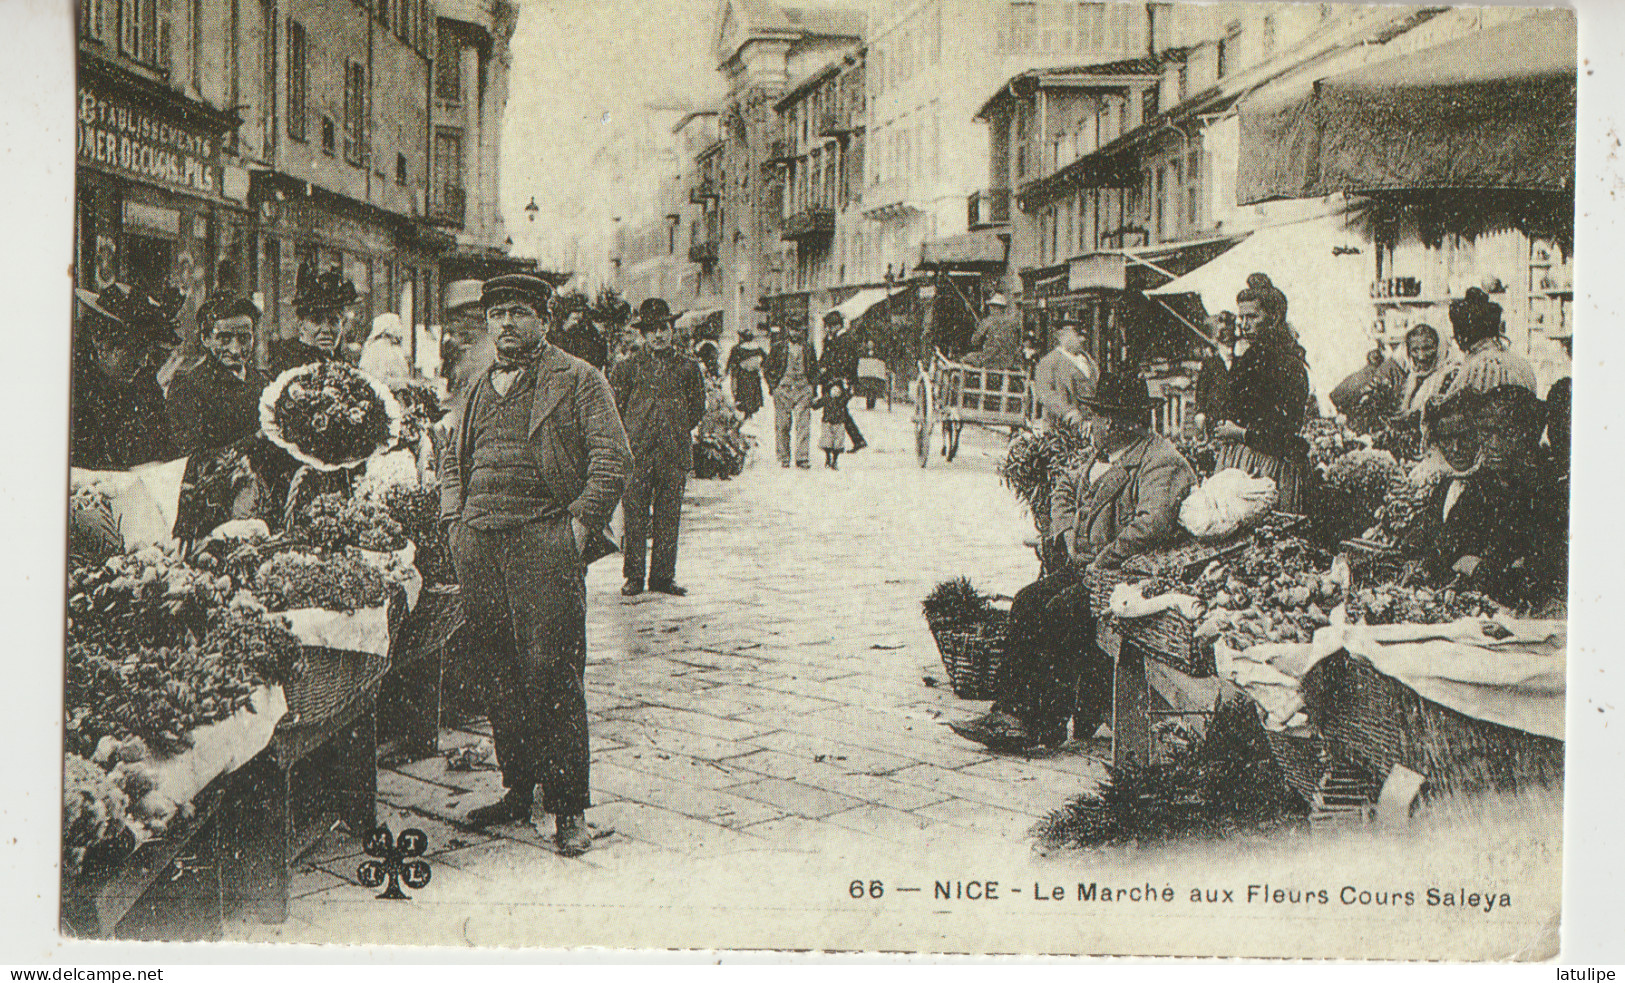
(987, 208)
(446, 204)
(834, 123)
(810, 225)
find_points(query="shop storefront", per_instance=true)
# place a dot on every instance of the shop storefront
(151, 207)
(390, 259)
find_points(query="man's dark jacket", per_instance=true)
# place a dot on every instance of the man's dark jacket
(661, 396)
(117, 425)
(584, 342)
(773, 367)
(208, 407)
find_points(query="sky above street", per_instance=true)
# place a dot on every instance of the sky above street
(582, 73)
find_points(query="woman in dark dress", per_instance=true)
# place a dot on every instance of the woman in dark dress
(745, 372)
(1269, 396)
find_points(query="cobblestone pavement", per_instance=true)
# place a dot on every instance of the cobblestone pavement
(792, 705)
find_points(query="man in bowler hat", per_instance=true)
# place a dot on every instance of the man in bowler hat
(661, 396)
(118, 407)
(533, 470)
(1124, 500)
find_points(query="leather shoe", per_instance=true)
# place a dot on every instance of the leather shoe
(860, 445)
(571, 835)
(996, 732)
(669, 588)
(803, 464)
(511, 808)
(631, 588)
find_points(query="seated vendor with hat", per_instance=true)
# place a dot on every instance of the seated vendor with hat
(1124, 501)
(118, 406)
(320, 302)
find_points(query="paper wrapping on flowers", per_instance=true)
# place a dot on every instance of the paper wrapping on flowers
(366, 630)
(1505, 671)
(274, 430)
(399, 567)
(1270, 674)
(144, 500)
(1125, 602)
(217, 749)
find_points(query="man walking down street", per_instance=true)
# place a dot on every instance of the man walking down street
(840, 364)
(791, 369)
(661, 397)
(535, 466)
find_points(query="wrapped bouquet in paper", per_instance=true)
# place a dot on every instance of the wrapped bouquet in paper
(329, 415)
(1228, 501)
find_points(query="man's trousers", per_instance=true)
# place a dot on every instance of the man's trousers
(525, 603)
(1053, 668)
(653, 502)
(797, 404)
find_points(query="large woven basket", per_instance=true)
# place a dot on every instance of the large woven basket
(426, 630)
(1378, 722)
(1302, 760)
(333, 681)
(1169, 637)
(972, 654)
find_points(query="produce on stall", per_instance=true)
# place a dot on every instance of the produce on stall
(1033, 462)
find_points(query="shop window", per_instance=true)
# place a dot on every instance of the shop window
(355, 113)
(298, 81)
(328, 136)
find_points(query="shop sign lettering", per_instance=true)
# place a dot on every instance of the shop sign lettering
(115, 133)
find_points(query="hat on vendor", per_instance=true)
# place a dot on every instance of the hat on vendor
(998, 300)
(1120, 393)
(461, 294)
(654, 314)
(327, 292)
(522, 287)
(132, 315)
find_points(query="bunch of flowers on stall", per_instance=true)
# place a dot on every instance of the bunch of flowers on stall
(159, 694)
(339, 581)
(1034, 461)
(1402, 521)
(333, 521)
(1200, 450)
(417, 510)
(148, 597)
(1401, 438)
(1356, 486)
(329, 415)
(1329, 438)
(94, 812)
(420, 410)
(1392, 604)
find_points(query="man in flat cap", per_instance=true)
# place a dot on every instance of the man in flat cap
(320, 302)
(662, 399)
(791, 370)
(118, 406)
(533, 470)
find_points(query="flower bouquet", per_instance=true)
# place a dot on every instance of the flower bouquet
(329, 415)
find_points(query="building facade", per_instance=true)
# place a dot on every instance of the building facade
(224, 143)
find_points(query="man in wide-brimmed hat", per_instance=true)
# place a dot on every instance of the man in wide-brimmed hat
(1124, 501)
(661, 396)
(216, 402)
(320, 301)
(791, 371)
(532, 471)
(118, 406)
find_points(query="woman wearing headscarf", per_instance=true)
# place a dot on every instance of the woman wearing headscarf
(1269, 396)
(1476, 322)
(384, 356)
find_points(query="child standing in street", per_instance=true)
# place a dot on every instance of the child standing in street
(832, 438)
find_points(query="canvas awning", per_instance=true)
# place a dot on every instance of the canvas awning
(690, 319)
(1492, 111)
(859, 303)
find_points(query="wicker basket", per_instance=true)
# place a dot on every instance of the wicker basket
(1169, 637)
(1302, 761)
(1378, 722)
(333, 681)
(972, 654)
(424, 632)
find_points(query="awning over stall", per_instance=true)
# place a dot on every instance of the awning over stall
(1493, 110)
(859, 303)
